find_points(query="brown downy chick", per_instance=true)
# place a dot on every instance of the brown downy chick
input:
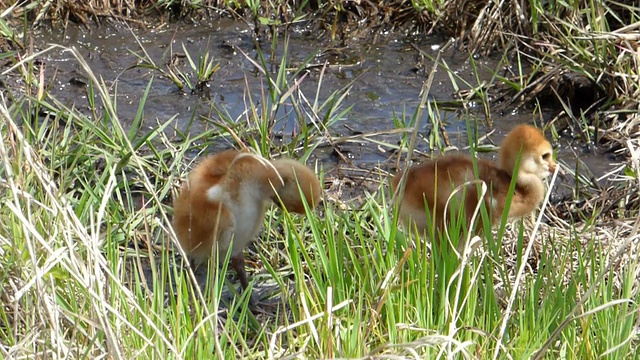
(434, 181)
(296, 178)
(224, 199)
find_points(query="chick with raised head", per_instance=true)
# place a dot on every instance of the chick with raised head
(222, 204)
(429, 185)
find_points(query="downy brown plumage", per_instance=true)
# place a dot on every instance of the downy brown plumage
(222, 204)
(429, 185)
(296, 177)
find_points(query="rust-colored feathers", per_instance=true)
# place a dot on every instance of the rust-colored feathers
(224, 198)
(222, 203)
(429, 185)
(296, 178)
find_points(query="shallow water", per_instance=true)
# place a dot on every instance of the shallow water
(386, 79)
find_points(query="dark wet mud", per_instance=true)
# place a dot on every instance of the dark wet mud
(385, 79)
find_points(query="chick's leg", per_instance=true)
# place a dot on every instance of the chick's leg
(237, 264)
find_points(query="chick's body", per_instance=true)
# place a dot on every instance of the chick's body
(222, 204)
(430, 185)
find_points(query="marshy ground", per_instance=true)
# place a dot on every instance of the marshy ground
(105, 109)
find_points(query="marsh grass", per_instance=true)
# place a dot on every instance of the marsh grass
(582, 57)
(89, 269)
(195, 77)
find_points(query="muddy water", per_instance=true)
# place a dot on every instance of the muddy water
(386, 79)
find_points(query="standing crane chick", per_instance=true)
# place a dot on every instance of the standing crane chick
(222, 204)
(429, 185)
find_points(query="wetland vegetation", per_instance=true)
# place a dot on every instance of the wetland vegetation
(87, 260)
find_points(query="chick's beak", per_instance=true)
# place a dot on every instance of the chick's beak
(552, 168)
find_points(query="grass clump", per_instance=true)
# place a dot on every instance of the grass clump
(195, 77)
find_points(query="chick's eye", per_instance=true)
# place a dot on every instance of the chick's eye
(546, 156)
